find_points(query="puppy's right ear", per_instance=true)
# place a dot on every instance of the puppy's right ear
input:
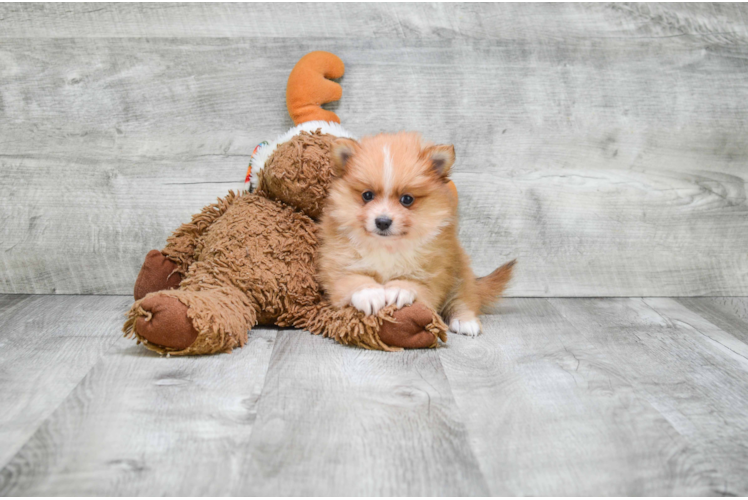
(442, 157)
(342, 151)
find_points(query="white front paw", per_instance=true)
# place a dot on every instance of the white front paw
(369, 300)
(471, 328)
(399, 296)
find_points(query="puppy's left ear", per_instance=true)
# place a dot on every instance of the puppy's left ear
(442, 157)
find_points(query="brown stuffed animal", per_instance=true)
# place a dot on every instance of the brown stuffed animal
(250, 259)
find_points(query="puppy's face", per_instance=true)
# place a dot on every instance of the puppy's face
(391, 189)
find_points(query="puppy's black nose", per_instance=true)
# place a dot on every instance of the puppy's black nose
(383, 223)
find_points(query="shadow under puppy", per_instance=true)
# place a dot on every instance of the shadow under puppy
(389, 233)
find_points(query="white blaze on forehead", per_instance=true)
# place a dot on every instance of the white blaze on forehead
(387, 172)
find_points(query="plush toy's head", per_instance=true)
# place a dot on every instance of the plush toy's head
(296, 168)
(298, 172)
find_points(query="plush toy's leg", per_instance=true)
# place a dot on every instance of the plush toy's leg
(180, 246)
(184, 322)
(164, 270)
(158, 273)
(164, 321)
(411, 327)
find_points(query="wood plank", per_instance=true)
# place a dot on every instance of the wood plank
(735, 306)
(727, 313)
(567, 155)
(47, 345)
(695, 374)
(499, 21)
(72, 227)
(141, 424)
(551, 414)
(676, 312)
(342, 421)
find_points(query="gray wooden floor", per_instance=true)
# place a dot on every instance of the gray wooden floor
(623, 396)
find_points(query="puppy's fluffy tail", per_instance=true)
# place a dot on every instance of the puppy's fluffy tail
(492, 286)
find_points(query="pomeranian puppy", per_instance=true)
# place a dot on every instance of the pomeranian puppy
(389, 232)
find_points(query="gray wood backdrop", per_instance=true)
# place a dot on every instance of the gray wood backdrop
(603, 145)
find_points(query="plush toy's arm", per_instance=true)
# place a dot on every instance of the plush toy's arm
(180, 246)
(411, 327)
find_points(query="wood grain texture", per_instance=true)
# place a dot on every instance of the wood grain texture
(693, 373)
(601, 145)
(47, 345)
(686, 318)
(727, 313)
(718, 22)
(140, 424)
(551, 414)
(338, 421)
(557, 397)
(736, 306)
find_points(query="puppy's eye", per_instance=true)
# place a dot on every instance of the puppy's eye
(368, 195)
(406, 200)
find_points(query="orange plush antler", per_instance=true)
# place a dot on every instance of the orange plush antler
(308, 87)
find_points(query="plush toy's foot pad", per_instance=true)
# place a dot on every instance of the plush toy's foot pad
(156, 274)
(165, 323)
(410, 328)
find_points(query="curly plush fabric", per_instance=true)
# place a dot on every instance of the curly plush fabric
(351, 327)
(301, 173)
(180, 246)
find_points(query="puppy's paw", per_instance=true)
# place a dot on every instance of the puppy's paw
(369, 300)
(399, 296)
(471, 327)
